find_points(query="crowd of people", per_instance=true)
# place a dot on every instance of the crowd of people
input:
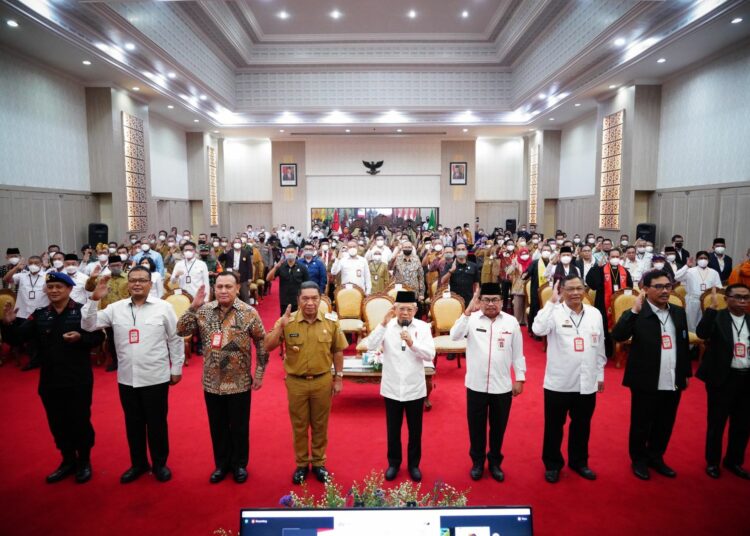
(66, 304)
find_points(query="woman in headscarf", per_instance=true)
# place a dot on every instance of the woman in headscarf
(520, 264)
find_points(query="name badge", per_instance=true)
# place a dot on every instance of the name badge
(134, 336)
(703, 286)
(616, 287)
(594, 338)
(187, 279)
(666, 342)
(740, 350)
(359, 273)
(501, 343)
(481, 330)
(293, 335)
(32, 294)
(375, 277)
(578, 344)
(216, 340)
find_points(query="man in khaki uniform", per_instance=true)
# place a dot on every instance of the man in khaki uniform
(313, 342)
(378, 273)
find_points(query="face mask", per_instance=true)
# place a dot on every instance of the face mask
(283, 228)
(591, 240)
(243, 240)
(448, 256)
(325, 247)
(133, 240)
(438, 247)
(524, 257)
(116, 272)
(70, 270)
(224, 244)
(236, 245)
(641, 250)
(379, 242)
(308, 254)
(545, 254)
(703, 263)
(123, 257)
(615, 262)
(290, 256)
(189, 254)
(649, 249)
(34, 268)
(623, 242)
(658, 265)
(576, 241)
(510, 247)
(57, 264)
(171, 244)
(377, 257)
(352, 252)
(112, 250)
(720, 250)
(534, 240)
(671, 258)
(461, 254)
(216, 244)
(145, 247)
(103, 258)
(146, 266)
(186, 236)
(162, 237)
(316, 229)
(14, 260)
(407, 252)
(553, 246)
(565, 259)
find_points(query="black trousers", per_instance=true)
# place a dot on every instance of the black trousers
(146, 422)
(557, 407)
(69, 416)
(729, 402)
(652, 416)
(394, 417)
(111, 345)
(229, 422)
(481, 407)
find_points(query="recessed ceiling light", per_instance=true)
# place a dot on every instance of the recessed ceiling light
(465, 14)
(466, 130)
(129, 46)
(542, 95)
(136, 88)
(86, 62)
(612, 86)
(399, 130)
(531, 130)
(172, 75)
(551, 118)
(14, 24)
(335, 14)
(735, 20)
(216, 131)
(348, 130)
(661, 60)
(203, 97)
(196, 120)
(170, 106)
(283, 15)
(412, 14)
(577, 104)
(281, 130)
(620, 42)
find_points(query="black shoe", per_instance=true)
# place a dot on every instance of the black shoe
(66, 469)
(133, 474)
(415, 474)
(321, 473)
(30, 366)
(83, 474)
(497, 473)
(663, 469)
(391, 472)
(218, 475)
(240, 475)
(110, 368)
(477, 470)
(641, 471)
(162, 474)
(737, 470)
(585, 472)
(552, 476)
(713, 471)
(300, 474)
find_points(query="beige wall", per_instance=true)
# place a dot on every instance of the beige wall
(289, 203)
(457, 203)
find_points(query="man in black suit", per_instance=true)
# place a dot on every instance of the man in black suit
(239, 260)
(719, 260)
(726, 371)
(657, 371)
(681, 254)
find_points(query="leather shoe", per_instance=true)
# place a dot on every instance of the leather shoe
(737, 470)
(66, 469)
(663, 469)
(132, 474)
(497, 473)
(552, 476)
(477, 470)
(218, 475)
(300, 474)
(83, 473)
(321, 473)
(415, 474)
(240, 475)
(713, 471)
(391, 472)
(641, 471)
(110, 368)
(162, 474)
(585, 472)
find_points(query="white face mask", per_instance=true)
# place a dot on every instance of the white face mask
(576, 240)
(57, 264)
(189, 254)
(524, 257)
(352, 252)
(70, 270)
(649, 249)
(553, 246)
(379, 242)
(720, 250)
(34, 268)
(703, 263)
(224, 244)
(565, 259)
(112, 250)
(216, 244)
(103, 258)
(236, 245)
(377, 257)
(510, 247)
(591, 240)
(171, 244)
(162, 237)
(623, 242)
(14, 260)
(658, 265)
(123, 257)
(145, 247)
(438, 247)
(615, 261)
(545, 254)
(133, 240)
(641, 250)
(671, 258)
(324, 247)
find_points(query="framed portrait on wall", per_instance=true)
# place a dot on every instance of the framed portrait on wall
(288, 174)
(458, 174)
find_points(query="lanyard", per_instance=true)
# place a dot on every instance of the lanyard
(132, 313)
(739, 331)
(570, 315)
(188, 269)
(663, 324)
(33, 283)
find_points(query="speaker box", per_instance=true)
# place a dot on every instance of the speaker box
(510, 225)
(647, 231)
(98, 233)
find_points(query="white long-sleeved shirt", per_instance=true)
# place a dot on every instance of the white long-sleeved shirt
(492, 345)
(353, 270)
(568, 370)
(31, 292)
(196, 270)
(697, 279)
(385, 251)
(668, 360)
(743, 337)
(157, 285)
(403, 370)
(79, 293)
(158, 353)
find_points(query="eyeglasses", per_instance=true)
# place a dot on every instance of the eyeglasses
(491, 300)
(659, 286)
(139, 281)
(740, 297)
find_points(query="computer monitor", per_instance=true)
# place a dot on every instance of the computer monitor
(480, 521)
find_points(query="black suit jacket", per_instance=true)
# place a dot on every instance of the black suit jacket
(642, 369)
(713, 262)
(246, 262)
(681, 257)
(716, 329)
(595, 281)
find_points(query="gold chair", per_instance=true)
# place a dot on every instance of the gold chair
(348, 299)
(445, 310)
(527, 290)
(374, 309)
(622, 300)
(720, 297)
(591, 293)
(325, 304)
(676, 299)
(680, 290)
(545, 293)
(7, 296)
(180, 302)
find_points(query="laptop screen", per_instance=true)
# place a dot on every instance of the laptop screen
(482, 521)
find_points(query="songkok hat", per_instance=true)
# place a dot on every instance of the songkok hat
(669, 249)
(60, 277)
(490, 289)
(566, 249)
(114, 258)
(701, 254)
(71, 257)
(719, 241)
(406, 296)
(12, 251)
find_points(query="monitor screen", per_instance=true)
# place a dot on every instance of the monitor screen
(481, 521)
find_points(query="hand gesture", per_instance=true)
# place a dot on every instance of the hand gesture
(101, 288)
(714, 299)
(86, 256)
(602, 261)
(639, 302)
(284, 320)
(555, 298)
(96, 269)
(517, 388)
(690, 262)
(554, 258)
(473, 304)
(453, 267)
(199, 298)
(9, 313)
(71, 337)
(405, 336)
(389, 316)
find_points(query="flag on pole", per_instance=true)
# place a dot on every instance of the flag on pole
(336, 227)
(432, 220)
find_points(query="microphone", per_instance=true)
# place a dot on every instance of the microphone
(404, 326)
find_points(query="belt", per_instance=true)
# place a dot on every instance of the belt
(307, 376)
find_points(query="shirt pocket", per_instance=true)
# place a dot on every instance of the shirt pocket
(325, 338)
(154, 326)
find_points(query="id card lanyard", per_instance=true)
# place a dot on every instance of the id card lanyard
(32, 292)
(134, 336)
(740, 348)
(666, 340)
(187, 275)
(578, 340)
(703, 279)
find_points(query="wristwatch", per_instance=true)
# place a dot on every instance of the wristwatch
(339, 374)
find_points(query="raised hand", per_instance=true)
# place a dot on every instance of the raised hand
(199, 298)
(9, 314)
(473, 304)
(96, 269)
(454, 266)
(639, 302)
(287, 316)
(389, 315)
(555, 298)
(101, 288)
(714, 299)
(690, 262)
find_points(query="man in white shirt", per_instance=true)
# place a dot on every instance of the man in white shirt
(102, 259)
(379, 245)
(353, 268)
(70, 266)
(150, 355)
(493, 343)
(633, 265)
(407, 346)
(191, 273)
(574, 374)
(697, 279)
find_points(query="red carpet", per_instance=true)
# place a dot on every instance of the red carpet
(617, 503)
